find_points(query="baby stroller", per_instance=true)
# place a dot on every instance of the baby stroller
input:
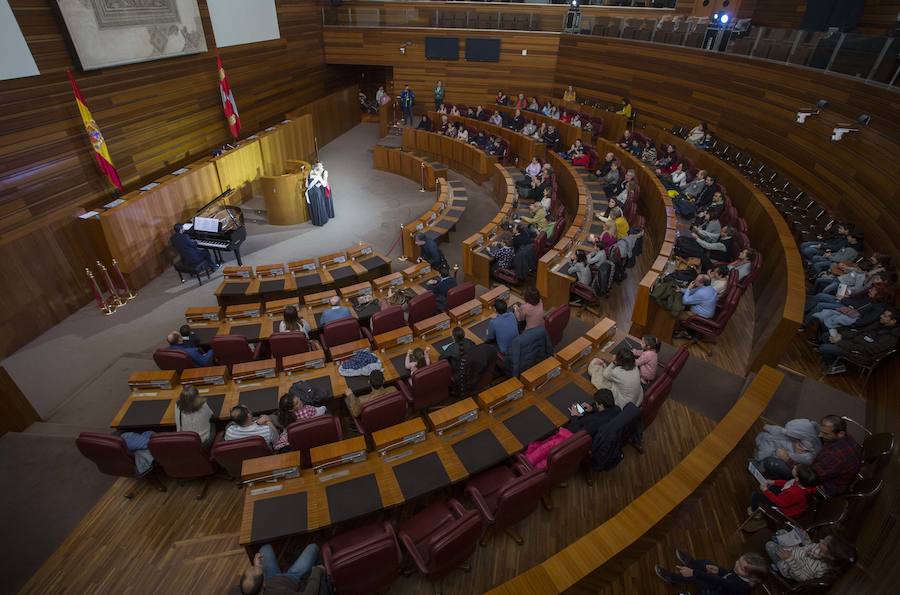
(367, 106)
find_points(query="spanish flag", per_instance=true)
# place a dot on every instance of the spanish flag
(101, 153)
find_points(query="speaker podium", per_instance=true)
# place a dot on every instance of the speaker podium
(285, 195)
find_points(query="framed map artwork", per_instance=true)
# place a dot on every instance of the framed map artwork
(113, 32)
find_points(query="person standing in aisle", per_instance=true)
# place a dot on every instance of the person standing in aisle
(438, 95)
(407, 101)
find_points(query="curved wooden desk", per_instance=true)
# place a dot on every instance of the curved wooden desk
(414, 167)
(438, 221)
(465, 158)
(476, 262)
(564, 569)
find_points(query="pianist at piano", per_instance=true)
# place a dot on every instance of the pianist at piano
(189, 252)
(218, 226)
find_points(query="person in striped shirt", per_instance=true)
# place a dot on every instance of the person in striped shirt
(808, 561)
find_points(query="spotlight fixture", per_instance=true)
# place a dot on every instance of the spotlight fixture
(724, 18)
(864, 119)
(838, 133)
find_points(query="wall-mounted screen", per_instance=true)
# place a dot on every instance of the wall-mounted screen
(442, 48)
(236, 22)
(480, 49)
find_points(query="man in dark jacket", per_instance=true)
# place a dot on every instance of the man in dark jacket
(749, 570)
(429, 251)
(531, 347)
(442, 285)
(188, 250)
(304, 576)
(868, 342)
(595, 416)
(606, 449)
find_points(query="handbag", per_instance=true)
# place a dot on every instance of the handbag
(309, 395)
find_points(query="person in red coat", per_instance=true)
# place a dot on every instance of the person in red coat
(790, 496)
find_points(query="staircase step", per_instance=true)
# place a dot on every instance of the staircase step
(51, 429)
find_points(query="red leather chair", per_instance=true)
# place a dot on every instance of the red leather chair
(429, 386)
(562, 462)
(387, 320)
(754, 271)
(421, 307)
(540, 244)
(441, 537)
(363, 560)
(231, 454)
(584, 293)
(383, 412)
(340, 332)
(555, 322)
(285, 344)
(308, 433)
(487, 376)
(172, 359)
(112, 457)
(558, 230)
(654, 397)
(506, 496)
(707, 329)
(182, 456)
(674, 366)
(233, 349)
(459, 295)
(506, 276)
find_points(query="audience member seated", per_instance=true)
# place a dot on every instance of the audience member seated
(700, 298)
(378, 389)
(824, 262)
(243, 425)
(829, 242)
(867, 343)
(667, 162)
(618, 218)
(503, 327)
(531, 347)
(480, 114)
(292, 322)
(468, 362)
(496, 119)
(743, 263)
(625, 141)
(200, 359)
(501, 98)
(517, 122)
(696, 195)
(429, 251)
(189, 337)
(552, 138)
(463, 134)
(779, 448)
(306, 575)
(649, 155)
(851, 311)
(718, 277)
(837, 462)
(604, 166)
(621, 376)
(647, 359)
(538, 216)
(533, 105)
(749, 571)
(445, 125)
(611, 179)
(335, 312)
(529, 129)
(636, 148)
(697, 135)
(625, 108)
(576, 121)
(580, 269)
(547, 109)
(416, 359)
(520, 103)
(192, 414)
(189, 252)
(789, 496)
(808, 560)
(425, 123)
(532, 311)
(290, 409)
(569, 94)
(593, 417)
(502, 254)
(440, 286)
(533, 169)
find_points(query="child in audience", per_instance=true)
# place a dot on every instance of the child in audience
(293, 323)
(416, 359)
(291, 409)
(647, 359)
(788, 496)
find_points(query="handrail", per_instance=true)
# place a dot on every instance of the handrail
(826, 52)
(574, 562)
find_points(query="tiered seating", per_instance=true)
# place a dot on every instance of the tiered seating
(439, 220)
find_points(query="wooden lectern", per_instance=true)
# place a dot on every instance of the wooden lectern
(285, 195)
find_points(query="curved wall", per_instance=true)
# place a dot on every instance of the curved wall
(753, 104)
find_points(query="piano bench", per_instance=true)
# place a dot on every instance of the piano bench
(194, 270)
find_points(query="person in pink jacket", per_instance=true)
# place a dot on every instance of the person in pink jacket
(647, 359)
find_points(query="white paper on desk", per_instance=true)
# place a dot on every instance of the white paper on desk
(114, 203)
(149, 186)
(252, 136)
(270, 129)
(180, 170)
(89, 215)
(285, 121)
(187, 226)
(755, 473)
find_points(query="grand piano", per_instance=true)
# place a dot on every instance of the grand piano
(229, 233)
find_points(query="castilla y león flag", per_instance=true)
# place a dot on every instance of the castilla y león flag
(101, 153)
(228, 102)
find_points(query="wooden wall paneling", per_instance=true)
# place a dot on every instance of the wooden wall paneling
(137, 232)
(16, 413)
(878, 17)
(774, 13)
(754, 104)
(332, 115)
(240, 169)
(283, 142)
(465, 82)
